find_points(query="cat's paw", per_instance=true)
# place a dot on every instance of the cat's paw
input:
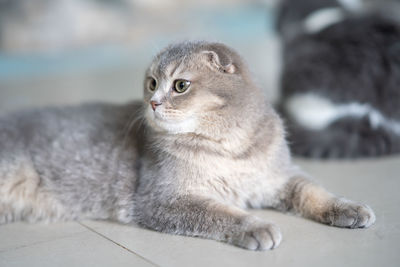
(345, 213)
(257, 236)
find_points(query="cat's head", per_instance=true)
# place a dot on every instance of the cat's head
(197, 87)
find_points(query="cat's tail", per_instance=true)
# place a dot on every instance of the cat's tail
(345, 138)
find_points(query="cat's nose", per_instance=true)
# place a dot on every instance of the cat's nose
(154, 104)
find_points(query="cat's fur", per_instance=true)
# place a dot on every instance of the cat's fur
(341, 77)
(191, 167)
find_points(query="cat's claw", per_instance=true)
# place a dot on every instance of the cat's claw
(259, 237)
(344, 213)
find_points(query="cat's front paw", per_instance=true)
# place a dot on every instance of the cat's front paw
(345, 213)
(257, 236)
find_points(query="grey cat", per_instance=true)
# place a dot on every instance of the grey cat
(341, 77)
(201, 148)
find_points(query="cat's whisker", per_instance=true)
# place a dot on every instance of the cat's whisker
(133, 119)
(202, 118)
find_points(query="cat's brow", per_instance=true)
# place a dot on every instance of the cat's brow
(174, 70)
(177, 66)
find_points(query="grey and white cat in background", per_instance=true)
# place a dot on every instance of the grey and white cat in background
(200, 149)
(341, 77)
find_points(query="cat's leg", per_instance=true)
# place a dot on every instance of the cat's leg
(22, 196)
(207, 218)
(312, 201)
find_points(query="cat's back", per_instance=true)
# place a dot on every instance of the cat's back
(62, 139)
(93, 122)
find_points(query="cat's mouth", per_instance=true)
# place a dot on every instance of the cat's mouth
(172, 124)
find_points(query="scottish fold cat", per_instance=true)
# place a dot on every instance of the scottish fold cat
(201, 148)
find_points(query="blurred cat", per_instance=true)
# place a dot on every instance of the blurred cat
(341, 77)
(201, 148)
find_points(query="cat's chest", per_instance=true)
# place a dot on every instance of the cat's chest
(242, 183)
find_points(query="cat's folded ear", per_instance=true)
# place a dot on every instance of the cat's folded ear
(219, 61)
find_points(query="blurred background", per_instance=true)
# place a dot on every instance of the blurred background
(55, 52)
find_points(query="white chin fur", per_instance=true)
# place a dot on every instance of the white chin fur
(187, 125)
(315, 112)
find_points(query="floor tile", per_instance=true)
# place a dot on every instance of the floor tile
(16, 235)
(84, 249)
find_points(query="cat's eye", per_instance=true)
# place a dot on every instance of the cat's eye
(181, 85)
(152, 84)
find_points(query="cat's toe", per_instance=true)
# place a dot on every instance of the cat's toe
(351, 215)
(268, 237)
(366, 217)
(259, 237)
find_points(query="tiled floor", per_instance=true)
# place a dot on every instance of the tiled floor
(305, 243)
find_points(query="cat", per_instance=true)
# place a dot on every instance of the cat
(341, 77)
(201, 148)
